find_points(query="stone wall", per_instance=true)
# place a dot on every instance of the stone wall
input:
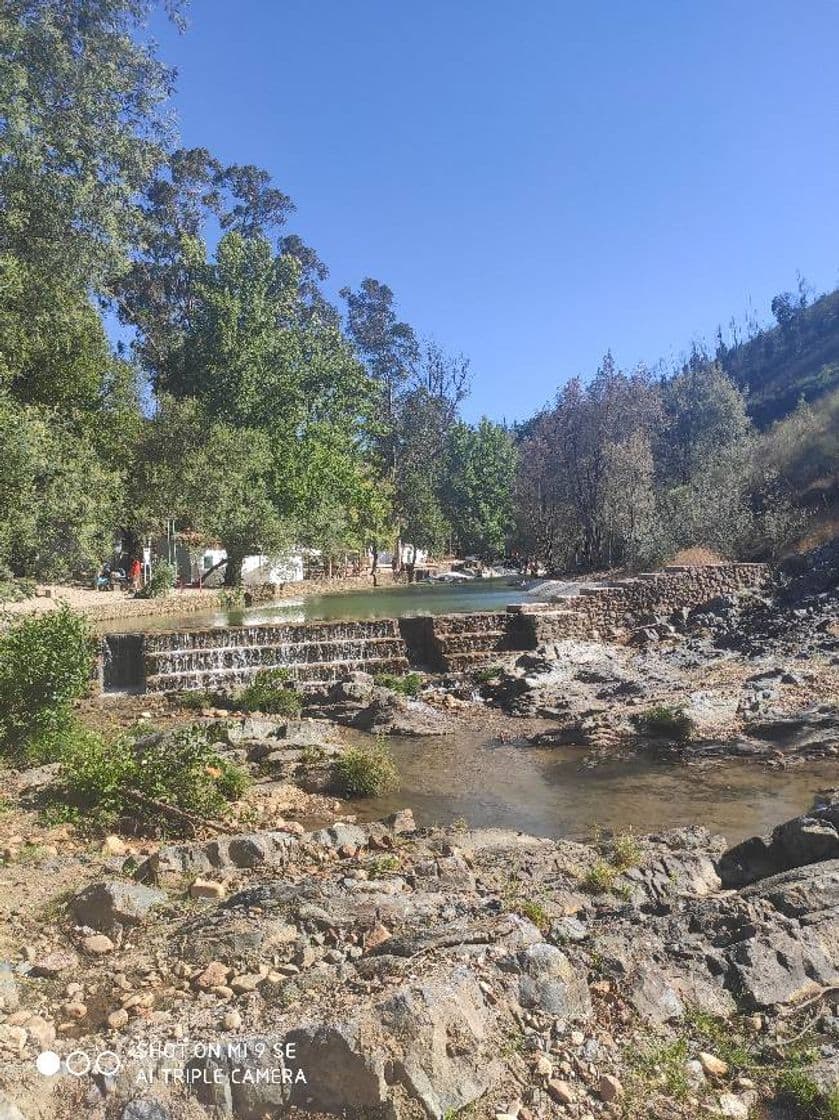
(599, 611)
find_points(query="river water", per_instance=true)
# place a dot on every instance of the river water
(548, 792)
(386, 602)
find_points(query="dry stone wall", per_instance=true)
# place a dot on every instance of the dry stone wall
(600, 610)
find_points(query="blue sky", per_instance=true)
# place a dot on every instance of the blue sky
(537, 181)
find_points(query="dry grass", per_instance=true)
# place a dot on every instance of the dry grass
(698, 556)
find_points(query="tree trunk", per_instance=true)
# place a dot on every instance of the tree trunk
(233, 571)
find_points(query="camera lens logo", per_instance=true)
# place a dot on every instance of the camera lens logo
(78, 1063)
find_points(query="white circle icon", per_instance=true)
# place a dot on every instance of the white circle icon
(48, 1063)
(78, 1063)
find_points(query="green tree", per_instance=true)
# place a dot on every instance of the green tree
(480, 468)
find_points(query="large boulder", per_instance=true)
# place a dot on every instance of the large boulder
(429, 1044)
(810, 838)
(549, 982)
(113, 903)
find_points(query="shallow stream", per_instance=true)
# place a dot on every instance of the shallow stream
(548, 792)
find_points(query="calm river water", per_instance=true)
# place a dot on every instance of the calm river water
(389, 602)
(547, 792)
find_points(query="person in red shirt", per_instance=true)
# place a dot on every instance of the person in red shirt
(134, 573)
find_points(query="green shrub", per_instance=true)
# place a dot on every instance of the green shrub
(231, 598)
(45, 664)
(488, 673)
(626, 851)
(599, 878)
(14, 589)
(409, 684)
(269, 692)
(664, 722)
(181, 770)
(798, 1089)
(161, 581)
(194, 701)
(366, 771)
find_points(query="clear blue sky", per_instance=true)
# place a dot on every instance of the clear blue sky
(537, 181)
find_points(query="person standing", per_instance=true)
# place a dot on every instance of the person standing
(135, 573)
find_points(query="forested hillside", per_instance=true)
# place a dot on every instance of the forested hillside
(797, 358)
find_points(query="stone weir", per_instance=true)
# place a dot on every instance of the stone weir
(223, 657)
(316, 653)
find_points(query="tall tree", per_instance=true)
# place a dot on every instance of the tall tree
(480, 468)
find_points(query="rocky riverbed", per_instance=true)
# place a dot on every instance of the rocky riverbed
(385, 970)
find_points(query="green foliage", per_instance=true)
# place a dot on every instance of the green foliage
(408, 684)
(487, 673)
(45, 664)
(269, 692)
(797, 1089)
(194, 701)
(599, 878)
(160, 582)
(365, 771)
(665, 722)
(533, 911)
(478, 483)
(14, 589)
(626, 852)
(181, 770)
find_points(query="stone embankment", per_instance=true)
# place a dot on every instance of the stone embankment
(318, 653)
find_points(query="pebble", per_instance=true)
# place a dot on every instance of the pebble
(561, 1092)
(98, 944)
(207, 888)
(610, 1089)
(232, 1021)
(118, 1019)
(247, 982)
(712, 1065)
(74, 1010)
(214, 975)
(544, 1066)
(732, 1107)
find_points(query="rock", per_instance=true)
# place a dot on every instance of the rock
(97, 944)
(75, 1010)
(104, 906)
(732, 1107)
(232, 1021)
(9, 999)
(390, 713)
(40, 1031)
(561, 1092)
(609, 1088)
(114, 846)
(54, 962)
(712, 1065)
(434, 1038)
(118, 1019)
(213, 976)
(207, 888)
(144, 1108)
(550, 983)
(12, 1038)
(250, 849)
(246, 982)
